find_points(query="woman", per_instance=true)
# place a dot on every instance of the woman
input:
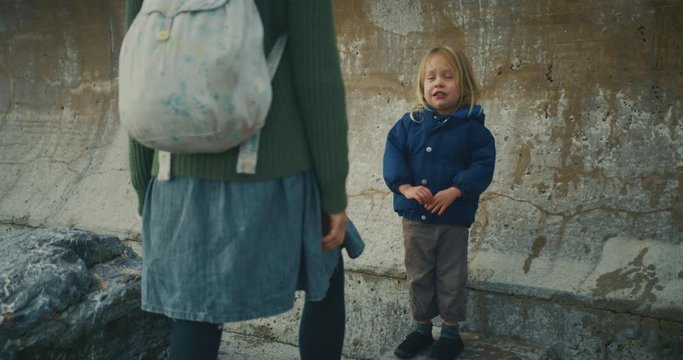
(220, 246)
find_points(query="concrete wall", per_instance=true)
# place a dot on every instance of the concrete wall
(583, 97)
(62, 153)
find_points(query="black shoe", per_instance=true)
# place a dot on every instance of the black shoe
(413, 344)
(447, 349)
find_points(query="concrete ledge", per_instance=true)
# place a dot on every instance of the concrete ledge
(633, 276)
(377, 310)
(575, 332)
(378, 316)
(236, 346)
(483, 347)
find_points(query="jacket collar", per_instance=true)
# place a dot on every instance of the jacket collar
(461, 114)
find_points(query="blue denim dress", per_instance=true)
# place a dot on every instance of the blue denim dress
(218, 251)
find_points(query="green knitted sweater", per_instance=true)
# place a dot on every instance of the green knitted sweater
(306, 127)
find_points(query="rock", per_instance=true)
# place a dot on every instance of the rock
(71, 294)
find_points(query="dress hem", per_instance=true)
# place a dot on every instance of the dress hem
(214, 319)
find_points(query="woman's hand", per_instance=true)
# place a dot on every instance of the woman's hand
(421, 194)
(443, 199)
(337, 230)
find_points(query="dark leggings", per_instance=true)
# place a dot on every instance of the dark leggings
(194, 340)
(321, 332)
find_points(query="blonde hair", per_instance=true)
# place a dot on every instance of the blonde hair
(458, 61)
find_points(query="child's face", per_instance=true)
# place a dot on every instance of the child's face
(440, 86)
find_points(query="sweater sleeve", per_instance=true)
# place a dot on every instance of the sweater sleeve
(140, 161)
(319, 92)
(132, 9)
(139, 157)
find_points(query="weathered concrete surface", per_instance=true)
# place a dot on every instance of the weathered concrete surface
(582, 96)
(70, 294)
(633, 276)
(575, 331)
(236, 346)
(485, 348)
(378, 317)
(62, 155)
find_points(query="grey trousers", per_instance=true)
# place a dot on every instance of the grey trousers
(436, 263)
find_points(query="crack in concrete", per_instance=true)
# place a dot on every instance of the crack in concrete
(371, 194)
(580, 210)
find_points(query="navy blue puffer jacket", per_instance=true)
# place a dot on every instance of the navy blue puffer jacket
(439, 152)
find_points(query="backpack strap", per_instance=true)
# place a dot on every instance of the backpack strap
(248, 153)
(276, 54)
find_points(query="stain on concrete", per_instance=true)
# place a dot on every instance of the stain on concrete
(536, 248)
(541, 187)
(549, 73)
(568, 170)
(262, 330)
(641, 279)
(523, 162)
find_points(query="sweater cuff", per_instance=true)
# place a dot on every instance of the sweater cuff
(333, 198)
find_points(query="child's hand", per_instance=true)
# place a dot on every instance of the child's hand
(335, 236)
(443, 199)
(421, 194)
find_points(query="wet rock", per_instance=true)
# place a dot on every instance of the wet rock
(71, 294)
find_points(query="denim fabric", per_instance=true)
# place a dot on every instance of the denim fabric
(218, 251)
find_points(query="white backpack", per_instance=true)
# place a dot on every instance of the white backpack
(193, 77)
